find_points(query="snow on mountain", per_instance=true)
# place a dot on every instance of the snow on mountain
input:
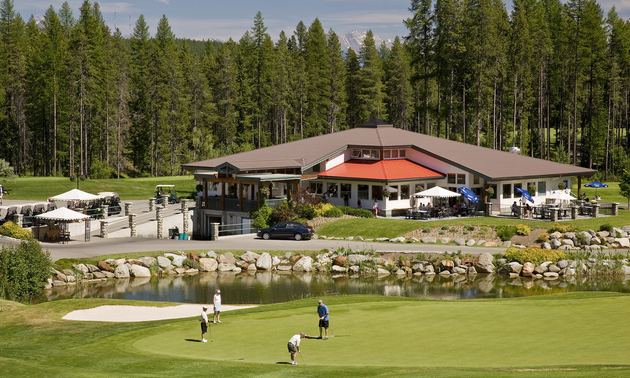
(355, 39)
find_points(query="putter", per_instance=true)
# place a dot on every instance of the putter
(304, 361)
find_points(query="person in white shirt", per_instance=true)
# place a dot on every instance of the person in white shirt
(294, 346)
(217, 307)
(204, 323)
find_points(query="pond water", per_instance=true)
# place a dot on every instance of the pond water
(265, 288)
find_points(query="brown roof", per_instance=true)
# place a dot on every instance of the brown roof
(492, 165)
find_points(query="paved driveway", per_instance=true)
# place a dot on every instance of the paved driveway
(99, 247)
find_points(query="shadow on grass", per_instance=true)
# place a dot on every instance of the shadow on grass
(283, 363)
(193, 340)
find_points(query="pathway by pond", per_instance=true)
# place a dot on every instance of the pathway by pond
(265, 288)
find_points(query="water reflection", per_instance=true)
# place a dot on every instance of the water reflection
(263, 288)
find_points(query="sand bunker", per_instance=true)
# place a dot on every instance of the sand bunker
(143, 313)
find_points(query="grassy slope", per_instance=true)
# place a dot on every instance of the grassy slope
(40, 188)
(572, 335)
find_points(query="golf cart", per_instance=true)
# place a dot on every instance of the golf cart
(165, 193)
(112, 200)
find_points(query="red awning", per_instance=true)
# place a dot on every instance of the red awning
(380, 170)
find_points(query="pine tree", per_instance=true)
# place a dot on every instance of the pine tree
(318, 80)
(139, 145)
(226, 90)
(398, 87)
(370, 97)
(353, 87)
(336, 84)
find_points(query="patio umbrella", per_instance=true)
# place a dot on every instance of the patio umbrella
(468, 194)
(439, 192)
(75, 195)
(63, 214)
(525, 194)
(595, 184)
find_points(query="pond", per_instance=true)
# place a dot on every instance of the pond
(265, 288)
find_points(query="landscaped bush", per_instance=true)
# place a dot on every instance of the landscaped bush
(535, 256)
(282, 213)
(24, 270)
(335, 212)
(445, 228)
(523, 230)
(561, 228)
(606, 227)
(306, 210)
(262, 217)
(363, 213)
(426, 230)
(322, 207)
(12, 230)
(191, 264)
(469, 227)
(543, 237)
(506, 232)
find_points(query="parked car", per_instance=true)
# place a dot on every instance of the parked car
(286, 230)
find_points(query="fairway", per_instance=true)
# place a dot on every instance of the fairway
(578, 329)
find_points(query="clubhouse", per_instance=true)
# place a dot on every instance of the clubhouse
(371, 162)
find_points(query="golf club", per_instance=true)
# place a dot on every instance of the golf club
(304, 361)
(235, 359)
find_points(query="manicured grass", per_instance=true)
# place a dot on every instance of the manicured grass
(567, 335)
(40, 188)
(370, 228)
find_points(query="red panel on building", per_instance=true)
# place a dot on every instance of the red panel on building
(380, 170)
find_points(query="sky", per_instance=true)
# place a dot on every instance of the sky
(221, 20)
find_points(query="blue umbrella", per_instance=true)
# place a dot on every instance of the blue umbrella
(596, 184)
(525, 194)
(468, 194)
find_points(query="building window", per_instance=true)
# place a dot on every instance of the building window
(394, 154)
(316, 187)
(364, 192)
(542, 188)
(532, 185)
(332, 191)
(316, 168)
(346, 190)
(475, 180)
(461, 179)
(377, 192)
(393, 192)
(404, 192)
(430, 185)
(451, 178)
(376, 154)
(517, 194)
(507, 190)
(402, 153)
(387, 154)
(356, 153)
(419, 188)
(496, 193)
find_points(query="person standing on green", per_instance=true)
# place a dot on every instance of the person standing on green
(322, 311)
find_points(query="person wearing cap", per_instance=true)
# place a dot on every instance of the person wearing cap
(217, 307)
(294, 346)
(204, 324)
(322, 311)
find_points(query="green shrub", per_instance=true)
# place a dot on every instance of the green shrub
(12, 230)
(469, 227)
(445, 228)
(543, 237)
(24, 270)
(506, 232)
(465, 232)
(306, 210)
(535, 256)
(561, 228)
(282, 213)
(262, 217)
(191, 264)
(523, 230)
(100, 170)
(363, 213)
(606, 227)
(441, 232)
(322, 207)
(335, 212)
(426, 230)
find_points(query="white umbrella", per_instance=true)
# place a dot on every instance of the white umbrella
(75, 195)
(561, 195)
(63, 214)
(439, 192)
(392, 189)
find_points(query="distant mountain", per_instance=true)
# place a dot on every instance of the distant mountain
(355, 39)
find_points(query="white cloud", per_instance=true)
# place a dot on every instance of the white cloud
(162, 1)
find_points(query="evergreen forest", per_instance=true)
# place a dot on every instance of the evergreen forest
(78, 98)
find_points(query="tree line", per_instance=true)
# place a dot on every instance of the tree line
(77, 98)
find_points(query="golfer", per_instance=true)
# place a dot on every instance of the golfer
(204, 323)
(322, 311)
(294, 347)
(217, 307)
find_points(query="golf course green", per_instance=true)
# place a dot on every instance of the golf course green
(574, 334)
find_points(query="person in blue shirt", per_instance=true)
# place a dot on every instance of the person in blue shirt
(322, 311)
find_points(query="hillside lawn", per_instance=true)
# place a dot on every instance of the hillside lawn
(563, 335)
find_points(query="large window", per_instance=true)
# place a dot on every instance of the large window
(377, 192)
(419, 188)
(532, 185)
(507, 190)
(364, 192)
(518, 194)
(393, 192)
(461, 179)
(394, 154)
(346, 191)
(316, 187)
(333, 191)
(542, 188)
(451, 178)
(475, 180)
(404, 192)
